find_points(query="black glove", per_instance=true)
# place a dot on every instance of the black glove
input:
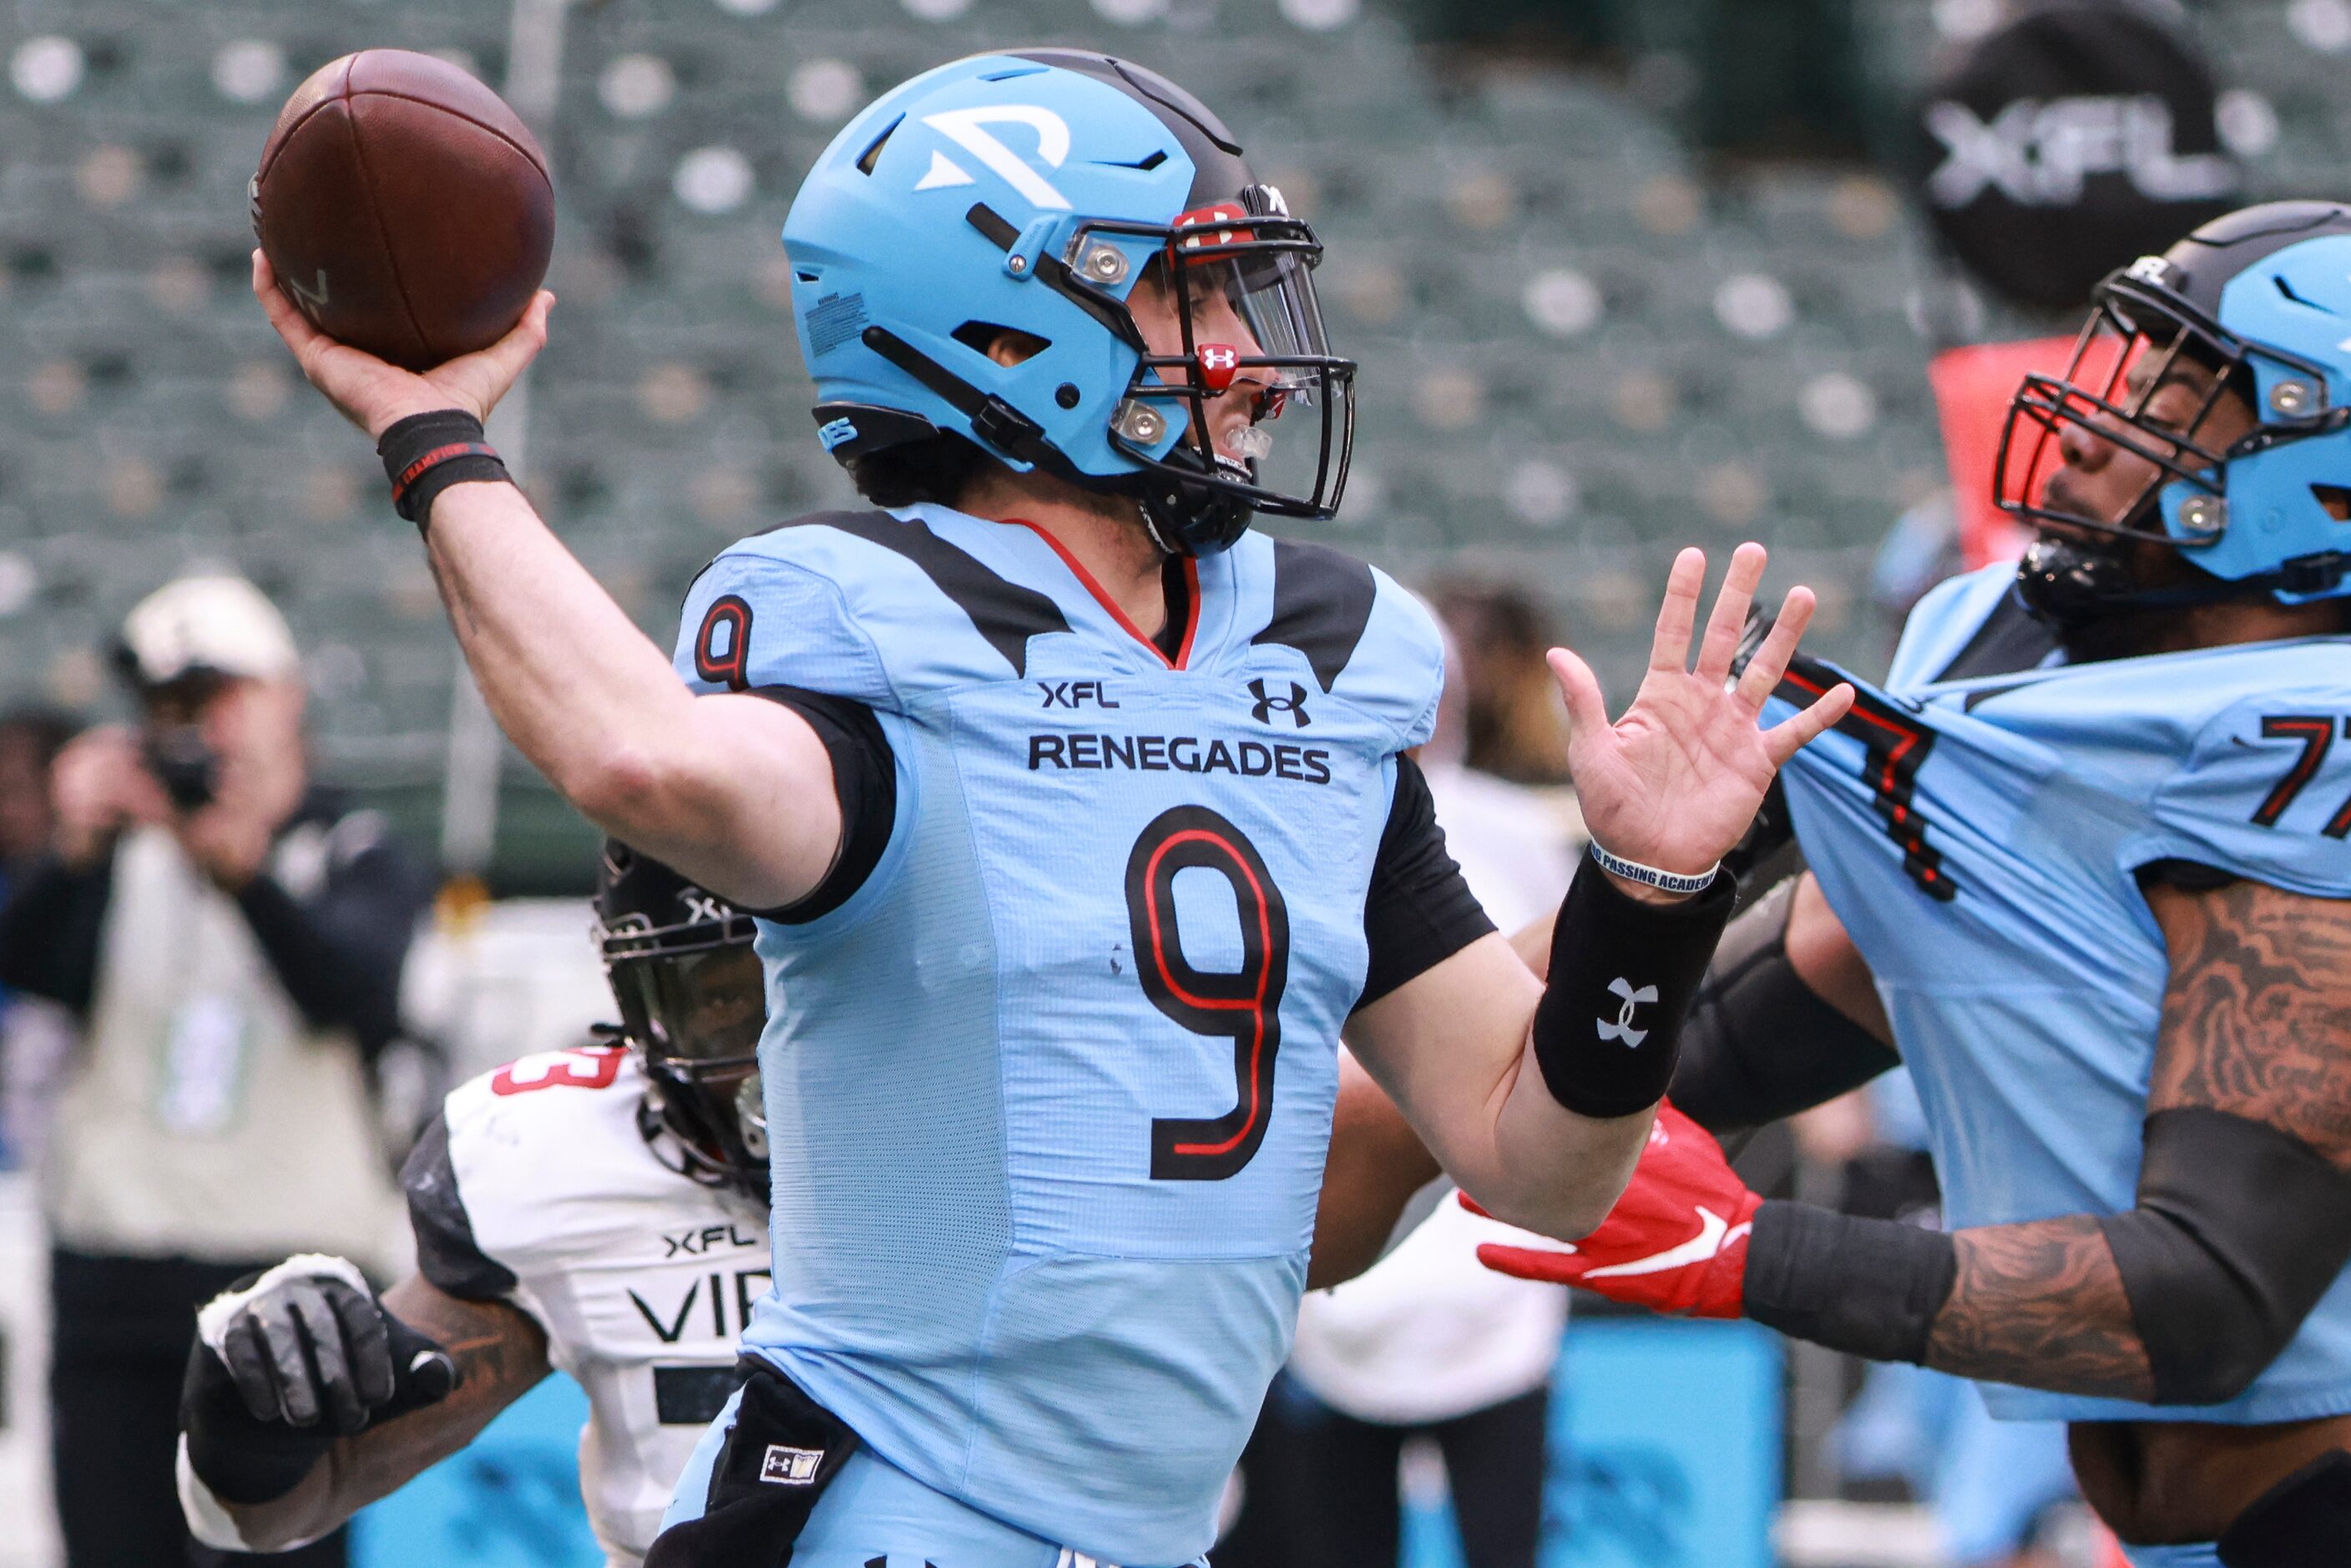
(287, 1361)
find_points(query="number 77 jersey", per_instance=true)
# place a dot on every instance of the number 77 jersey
(1049, 1093)
(1980, 835)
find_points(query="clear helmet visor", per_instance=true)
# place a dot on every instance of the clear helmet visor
(1243, 359)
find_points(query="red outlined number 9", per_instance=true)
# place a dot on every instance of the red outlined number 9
(1244, 1006)
(722, 648)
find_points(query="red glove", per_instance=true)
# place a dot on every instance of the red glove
(1676, 1240)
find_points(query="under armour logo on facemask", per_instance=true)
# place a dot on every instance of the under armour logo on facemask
(1623, 1028)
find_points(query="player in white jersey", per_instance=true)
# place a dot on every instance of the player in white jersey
(601, 1210)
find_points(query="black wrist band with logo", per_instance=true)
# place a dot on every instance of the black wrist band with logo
(1623, 973)
(425, 453)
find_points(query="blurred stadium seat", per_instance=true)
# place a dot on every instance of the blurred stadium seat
(1582, 343)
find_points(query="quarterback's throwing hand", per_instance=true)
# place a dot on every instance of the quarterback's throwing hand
(1675, 781)
(375, 394)
(1676, 1240)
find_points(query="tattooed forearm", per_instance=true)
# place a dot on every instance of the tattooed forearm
(500, 1353)
(2257, 1023)
(2257, 1017)
(2041, 1305)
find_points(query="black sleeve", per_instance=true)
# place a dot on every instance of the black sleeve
(1418, 912)
(1759, 1044)
(2239, 1228)
(864, 777)
(340, 954)
(49, 932)
(448, 1257)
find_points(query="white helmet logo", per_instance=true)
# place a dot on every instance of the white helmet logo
(964, 128)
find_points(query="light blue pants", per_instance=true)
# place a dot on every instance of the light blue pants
(875, 1510)
(2204, 1556)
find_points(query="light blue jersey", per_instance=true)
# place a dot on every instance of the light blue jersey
(1048, 1095)
(1978, 835)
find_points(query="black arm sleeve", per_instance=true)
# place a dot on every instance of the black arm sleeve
(1418, 912)
(864, 778)
(448, 1257)
(340, 954)
(1760, 1044)
(49, 932)
(2240, 1229)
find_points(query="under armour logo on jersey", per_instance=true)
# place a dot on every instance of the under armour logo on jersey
(786, 1467)
(964, 128)
(1265, 707)
(1623, 1028)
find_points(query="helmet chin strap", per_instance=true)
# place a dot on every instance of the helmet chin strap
(1188, 518)
(2068, 584)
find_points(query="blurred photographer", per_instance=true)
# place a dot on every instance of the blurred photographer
(231, 938)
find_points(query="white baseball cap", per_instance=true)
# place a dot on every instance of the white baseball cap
(222, 625)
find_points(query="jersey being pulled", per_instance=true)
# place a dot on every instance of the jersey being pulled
(1048, 1095)
(1978, 836)
(539, 1189)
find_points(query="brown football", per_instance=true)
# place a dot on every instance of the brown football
(404, 207)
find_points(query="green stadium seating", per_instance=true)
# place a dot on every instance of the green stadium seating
(1664, 395)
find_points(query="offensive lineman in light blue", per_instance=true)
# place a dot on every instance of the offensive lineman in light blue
(2086, 861)
(1082, 821)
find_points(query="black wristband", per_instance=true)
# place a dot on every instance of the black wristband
(425, 453)
(1622, 972)
(1870, 1288)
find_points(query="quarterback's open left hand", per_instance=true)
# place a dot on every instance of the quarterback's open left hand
(1674, 783)
(290, 1360)
(1676, 1240)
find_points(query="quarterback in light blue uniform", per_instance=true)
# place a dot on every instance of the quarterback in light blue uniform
(997, 1317)
(1077, 820)
(1051, 1063)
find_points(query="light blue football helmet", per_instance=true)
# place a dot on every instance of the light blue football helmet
(2262, 297)
(1034, 190)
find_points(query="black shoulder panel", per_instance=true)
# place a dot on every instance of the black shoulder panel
(1322, 602)
(446, 1253)
(2009, 642)
(1002, 611)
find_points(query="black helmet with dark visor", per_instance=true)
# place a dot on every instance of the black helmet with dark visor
(693, 1002)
